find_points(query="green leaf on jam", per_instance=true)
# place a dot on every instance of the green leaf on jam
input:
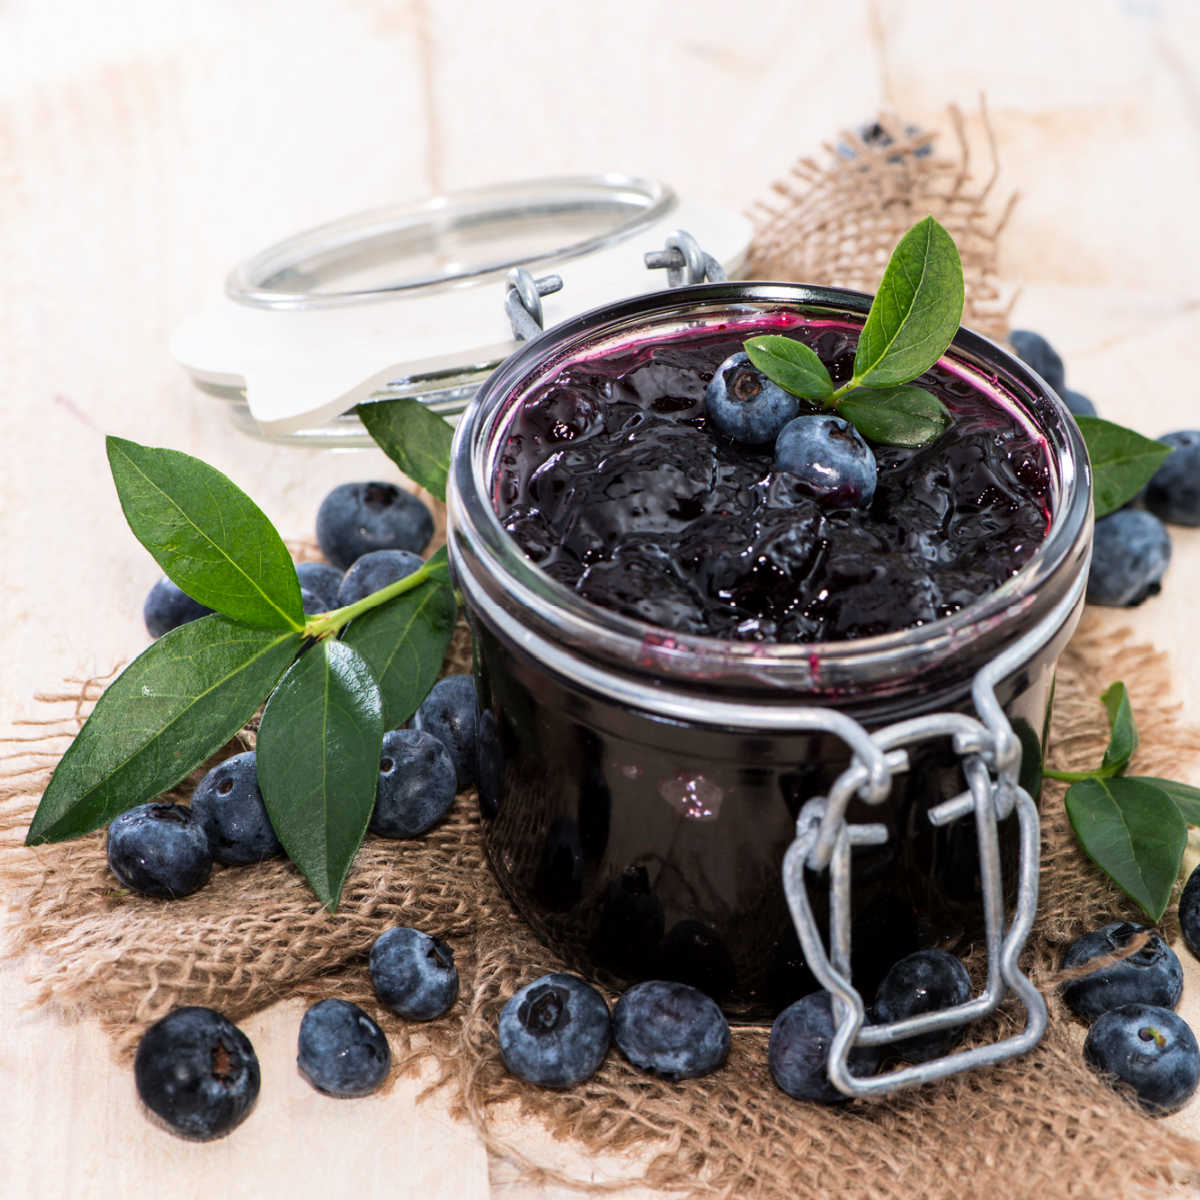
(415, 439)
(178, 702)
(1123, 738)
(1122, 462)
(899, 416)
(916, 311)
(318, 762)
(1134, 832)
(207, 534)
(791, 364)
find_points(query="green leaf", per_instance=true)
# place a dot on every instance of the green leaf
(1123, 739)
(415, 439)
(318, 762)
(403, 642)
(899, 416)
(178, 702)
(791, 364)
(207, 534)
(1122, 462)
(1186, 797)
(917, 310)
(1134, 832)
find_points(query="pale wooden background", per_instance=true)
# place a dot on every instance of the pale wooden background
(146, 147)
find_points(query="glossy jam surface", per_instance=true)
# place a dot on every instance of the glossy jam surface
(611, 481)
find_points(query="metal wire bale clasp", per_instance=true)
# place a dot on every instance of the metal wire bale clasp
(685, 261)
(523, 301)
(824, 839)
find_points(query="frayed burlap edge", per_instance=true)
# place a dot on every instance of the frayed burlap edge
(835, 221)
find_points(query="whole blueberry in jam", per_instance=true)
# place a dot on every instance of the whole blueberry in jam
(829, 458)
(745, 405)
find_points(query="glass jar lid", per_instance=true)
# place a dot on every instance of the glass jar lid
(408, 300)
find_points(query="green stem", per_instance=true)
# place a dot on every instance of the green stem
(323, 624)
(1070, 776)
(849, 386)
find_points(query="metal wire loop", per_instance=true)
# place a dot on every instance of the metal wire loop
(523, 301)
(685, 261)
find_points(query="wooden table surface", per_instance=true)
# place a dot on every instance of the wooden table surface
(145, 149)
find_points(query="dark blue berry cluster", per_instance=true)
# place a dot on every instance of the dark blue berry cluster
(1136, 1037)
(1131, 549)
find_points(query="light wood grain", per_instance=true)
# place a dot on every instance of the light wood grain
(142, 154)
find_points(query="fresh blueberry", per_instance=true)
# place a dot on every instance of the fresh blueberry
(743, 404)
(160, 850)
(231, 809)
(1150, 1048)
(829, 458)
(168, 607)
(451, 713)
(489, 765)
(1131, 549)
(798, 1051)
(555, 1031)
(671, 1030)
(1040, 355)
(356, 518)
(1078, 403)
(416, 784)
(413, 973)
(923, 982)
(321, 581)
(197, 1071)
(1189, 912)
(874, 134)
(1173, 492)
(341, 1051)
(374, 571)
(1151, 975)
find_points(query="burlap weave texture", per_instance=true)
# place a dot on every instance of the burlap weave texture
(1042, 1126)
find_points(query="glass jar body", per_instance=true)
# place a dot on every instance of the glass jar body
(639, 789)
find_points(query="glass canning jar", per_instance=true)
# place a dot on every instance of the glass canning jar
(639, 788)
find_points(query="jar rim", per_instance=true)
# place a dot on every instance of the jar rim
(557, 612)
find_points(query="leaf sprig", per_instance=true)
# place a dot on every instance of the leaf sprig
(332, 683)
(1134, 827)
(912, 320)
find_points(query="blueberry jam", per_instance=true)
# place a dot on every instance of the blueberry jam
(611, 481)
